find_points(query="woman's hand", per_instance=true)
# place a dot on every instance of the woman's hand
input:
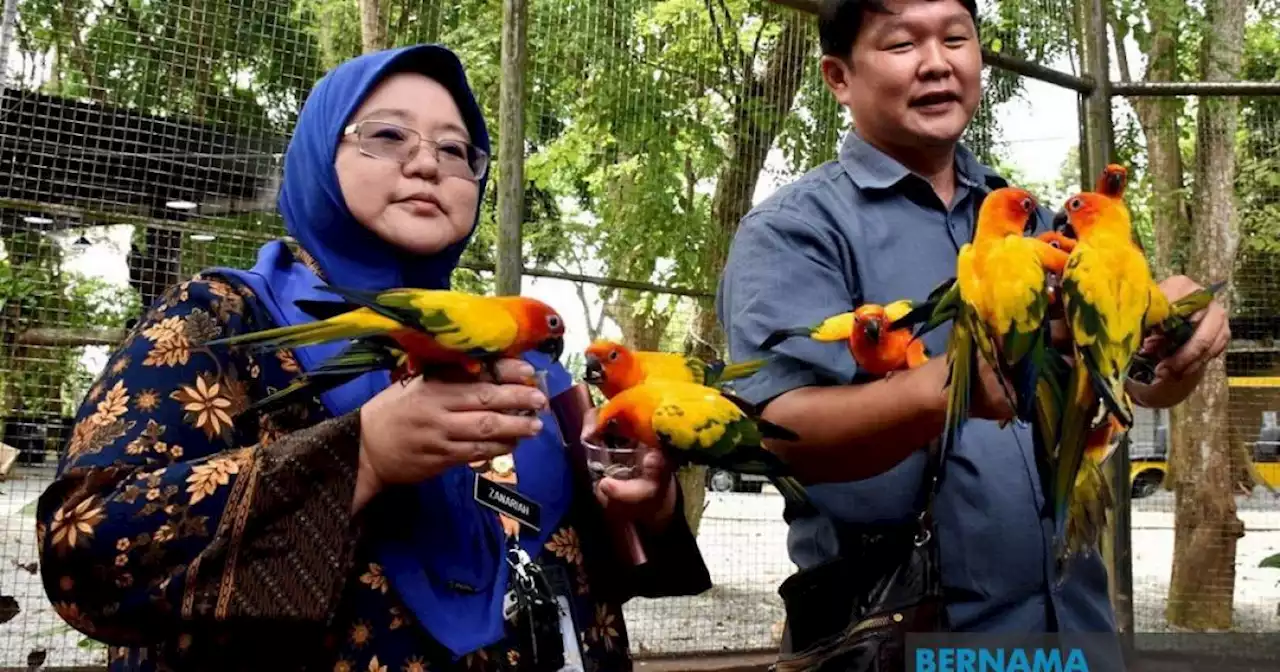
(414, 431)
(648, 498)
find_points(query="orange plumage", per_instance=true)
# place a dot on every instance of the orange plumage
(879, 350)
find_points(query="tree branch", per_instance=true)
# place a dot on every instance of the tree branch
(52, 336)
(724, 51)
(1119, 31)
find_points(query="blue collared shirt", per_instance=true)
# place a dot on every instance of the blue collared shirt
(862, 229)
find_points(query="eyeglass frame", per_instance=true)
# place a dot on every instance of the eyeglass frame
(433, 145)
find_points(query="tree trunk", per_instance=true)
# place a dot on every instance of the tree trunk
(373, 25)
(760, 109)
(1159, 118)
(1206, 527)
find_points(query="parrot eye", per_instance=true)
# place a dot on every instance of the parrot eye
(1075, 204)
(553, 321)
(613, 356)
(1028, 205)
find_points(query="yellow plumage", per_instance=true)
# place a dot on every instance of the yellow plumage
(464, 321)
(894, 311)
(1003, 281)
(670, 366)
(691, 416)
(834, 328)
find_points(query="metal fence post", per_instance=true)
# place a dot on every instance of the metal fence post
(511, 146)
(1100, 142)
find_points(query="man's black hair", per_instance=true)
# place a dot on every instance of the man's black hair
(840, 20)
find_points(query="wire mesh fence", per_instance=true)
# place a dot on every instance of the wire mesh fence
(140, 143)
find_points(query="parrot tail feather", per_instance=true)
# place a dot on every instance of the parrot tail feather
(783, 334)
(1091, 501)
(371, 301)
(738, 369)
(323, 310)
(792, 491)
(297, 335)
(770, 430)
(359, 359)
(964, 363)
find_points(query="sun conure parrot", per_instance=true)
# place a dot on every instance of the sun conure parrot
(613, 367)
(433, 326)
(875, 347)
(1107, 298)
(696, 424)
(998, 303)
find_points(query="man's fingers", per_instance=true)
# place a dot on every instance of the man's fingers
(1198, 347)
(488, 426)
(487, 396)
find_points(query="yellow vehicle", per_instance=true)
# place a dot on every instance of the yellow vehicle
(1147, 475)
(1147, 463)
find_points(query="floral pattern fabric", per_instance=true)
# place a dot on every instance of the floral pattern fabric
(187, 535)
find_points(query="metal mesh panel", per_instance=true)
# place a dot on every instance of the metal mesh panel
(1249, 388)
(141, 142)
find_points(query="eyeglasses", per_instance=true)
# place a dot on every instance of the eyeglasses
(383, 140)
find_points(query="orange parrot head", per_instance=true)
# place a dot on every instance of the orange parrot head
(612, 364)
(1008, 211)
(1112, 181)
(869, 322)
(540, 327)
(1089, 213)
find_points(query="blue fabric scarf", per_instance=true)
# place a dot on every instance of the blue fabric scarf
(448, 563)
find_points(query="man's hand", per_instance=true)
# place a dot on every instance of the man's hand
(1178, 374)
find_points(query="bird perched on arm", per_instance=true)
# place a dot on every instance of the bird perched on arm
(613, 367)
(431, 326)
(877, 348)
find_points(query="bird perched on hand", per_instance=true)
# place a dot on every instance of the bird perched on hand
(613, 367)
(696, 424)
(431, 326)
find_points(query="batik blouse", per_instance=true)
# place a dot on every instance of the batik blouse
(187, 537)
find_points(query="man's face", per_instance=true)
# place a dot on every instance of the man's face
(914, 76)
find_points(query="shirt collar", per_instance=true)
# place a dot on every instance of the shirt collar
(870, 168)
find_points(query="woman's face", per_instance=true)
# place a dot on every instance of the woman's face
(405, 171)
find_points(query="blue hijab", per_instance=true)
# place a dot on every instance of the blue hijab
(448, 562)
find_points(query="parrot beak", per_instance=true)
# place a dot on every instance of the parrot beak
(594, 374)
(1029, 228)
(1062, 224)
(552, 346)
(872, 330)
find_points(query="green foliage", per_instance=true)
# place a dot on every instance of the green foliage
(243, 63)
(35, 292)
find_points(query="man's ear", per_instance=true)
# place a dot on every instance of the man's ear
(835, 73)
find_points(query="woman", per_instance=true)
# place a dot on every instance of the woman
(343, 533)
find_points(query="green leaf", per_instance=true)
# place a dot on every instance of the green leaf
(1273, 562)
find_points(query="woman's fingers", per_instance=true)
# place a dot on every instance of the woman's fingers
(488, 426)
(476, 451)
(514, 371)
(487, 396)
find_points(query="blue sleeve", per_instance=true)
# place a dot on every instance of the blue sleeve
(783, 272)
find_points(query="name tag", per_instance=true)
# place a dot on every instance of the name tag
(508, 502)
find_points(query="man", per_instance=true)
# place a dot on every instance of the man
(882, 222)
